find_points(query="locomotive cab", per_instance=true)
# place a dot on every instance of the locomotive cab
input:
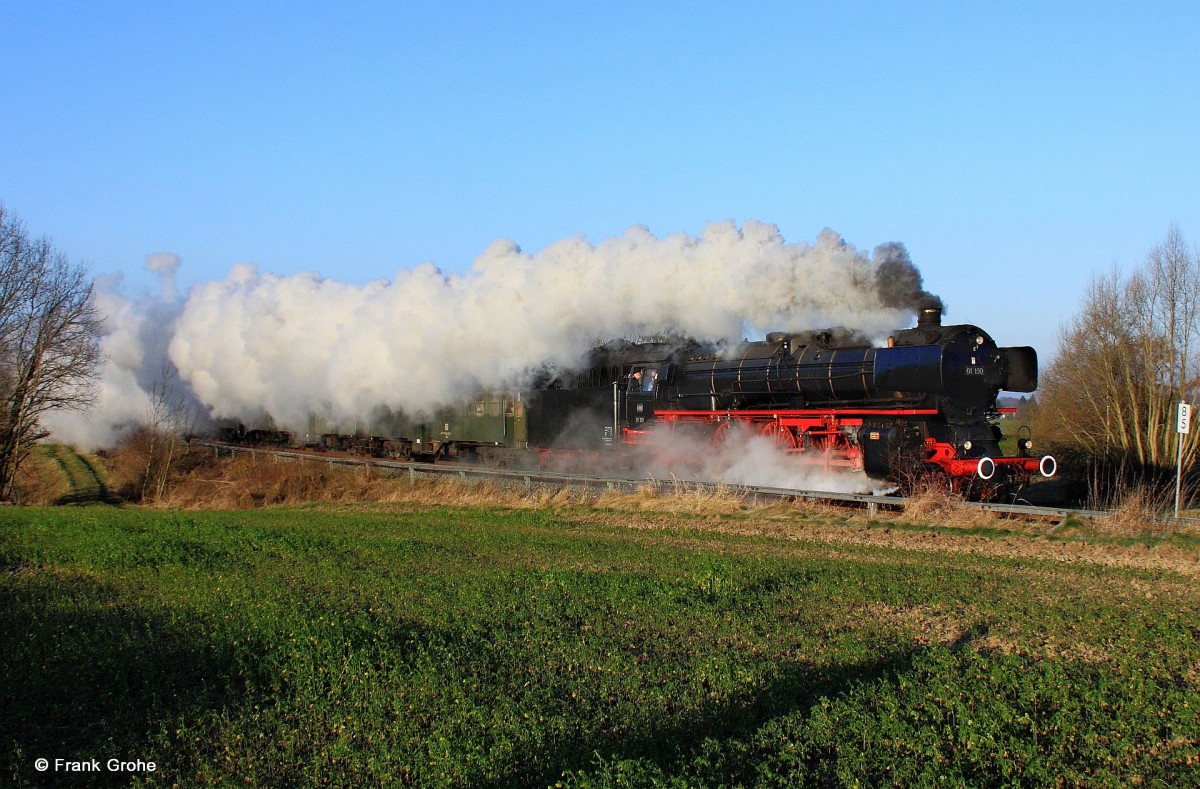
(642, 392)
(644, 379)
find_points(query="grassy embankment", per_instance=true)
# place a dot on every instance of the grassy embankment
(593, 646)
(57, 474)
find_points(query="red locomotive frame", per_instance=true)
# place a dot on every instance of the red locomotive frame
(827, 437)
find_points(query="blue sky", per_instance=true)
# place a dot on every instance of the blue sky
(1015, 148)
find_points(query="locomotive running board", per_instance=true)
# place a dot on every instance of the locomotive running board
(671, 415)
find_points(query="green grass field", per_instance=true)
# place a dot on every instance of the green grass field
(472, 647)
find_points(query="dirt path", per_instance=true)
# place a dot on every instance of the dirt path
(86, 484)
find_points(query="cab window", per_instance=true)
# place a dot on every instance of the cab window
(643, 379)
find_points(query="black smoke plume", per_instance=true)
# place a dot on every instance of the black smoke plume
(898, 282)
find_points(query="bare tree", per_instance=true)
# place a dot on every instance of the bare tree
(169, 419)
(49, 341)
(1127, 359)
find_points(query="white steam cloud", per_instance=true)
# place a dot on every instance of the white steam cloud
(750, 460)
(256, 343)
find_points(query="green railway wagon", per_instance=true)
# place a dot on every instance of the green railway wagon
(490, 418)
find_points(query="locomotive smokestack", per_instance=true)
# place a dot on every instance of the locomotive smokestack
(929, 316)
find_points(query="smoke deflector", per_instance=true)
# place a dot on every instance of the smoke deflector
(1021, 367)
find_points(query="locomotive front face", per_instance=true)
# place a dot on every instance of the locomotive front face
(973, 367)
(961, 364)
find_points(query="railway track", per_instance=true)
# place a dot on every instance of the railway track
(528, 478)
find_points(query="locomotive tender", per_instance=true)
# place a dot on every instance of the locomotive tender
(923, 406)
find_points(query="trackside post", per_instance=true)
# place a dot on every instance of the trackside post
(1183, 424)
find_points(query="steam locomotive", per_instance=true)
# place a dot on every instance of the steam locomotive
(922, 407)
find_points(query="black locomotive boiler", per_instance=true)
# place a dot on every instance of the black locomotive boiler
(924, 405)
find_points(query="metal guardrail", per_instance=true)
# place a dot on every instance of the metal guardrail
(868, 501)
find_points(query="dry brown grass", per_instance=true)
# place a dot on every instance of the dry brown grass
(455, 492)
(677, 498)
(1136, 513)
(251, 481)
(932, 626)
(257, 481)
(936, 505)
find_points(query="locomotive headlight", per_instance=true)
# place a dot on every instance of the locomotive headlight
(967, 445)
(1024, 444)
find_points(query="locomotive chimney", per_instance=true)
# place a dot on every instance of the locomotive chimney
(929, 317)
